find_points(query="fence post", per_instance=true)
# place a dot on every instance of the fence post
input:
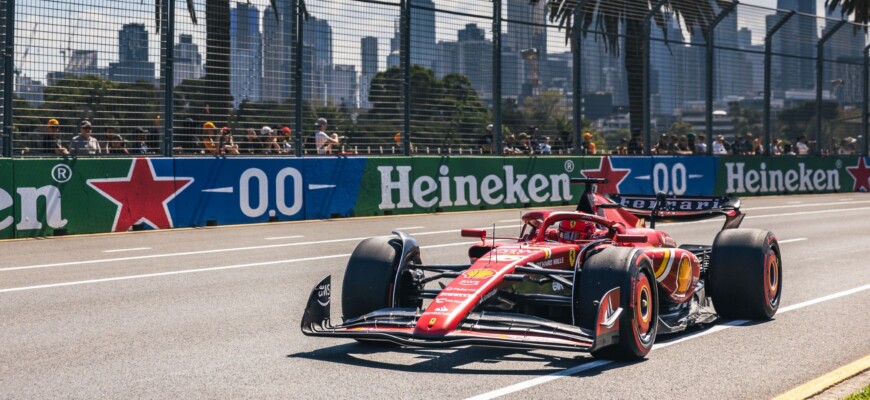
(865, 117)
(405, 62)
(711, 32)
(768, 44)
(647, 114)
(820, 65)
(169, 78)
(496, 76)
(8, 78)
(577, 75)
(298, 14)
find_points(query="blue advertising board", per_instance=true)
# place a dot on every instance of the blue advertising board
(248, 190)
(672, 175)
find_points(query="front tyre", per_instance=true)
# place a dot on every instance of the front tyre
(369, 276)
(631, 271)
(745, 275)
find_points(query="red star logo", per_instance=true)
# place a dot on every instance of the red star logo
(141, 196)
(861, 173)
(614, 176)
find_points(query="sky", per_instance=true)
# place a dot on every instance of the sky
(49, 27)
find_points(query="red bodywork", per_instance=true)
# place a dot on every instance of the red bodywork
(446, 318)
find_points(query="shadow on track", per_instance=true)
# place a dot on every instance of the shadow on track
(450, 361)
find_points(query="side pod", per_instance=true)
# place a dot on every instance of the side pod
(317, 309)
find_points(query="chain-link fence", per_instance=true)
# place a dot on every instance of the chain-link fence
(257, 77)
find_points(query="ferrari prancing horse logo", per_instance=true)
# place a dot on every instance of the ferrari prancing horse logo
(479, 273)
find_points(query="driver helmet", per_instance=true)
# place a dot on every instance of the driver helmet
(573, 230)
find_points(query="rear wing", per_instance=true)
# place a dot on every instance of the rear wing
(681, 208)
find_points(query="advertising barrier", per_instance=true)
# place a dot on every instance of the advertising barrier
(44, 197)
(7, 203)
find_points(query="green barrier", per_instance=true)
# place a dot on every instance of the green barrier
(7, 204)
(432, 184)
(785, 175)
(53, 195)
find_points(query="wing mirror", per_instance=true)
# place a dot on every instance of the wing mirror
(630, 239)
(474, 233)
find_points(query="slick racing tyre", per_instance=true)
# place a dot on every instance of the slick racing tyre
(631, 271)
(369, 276)
(745, 275)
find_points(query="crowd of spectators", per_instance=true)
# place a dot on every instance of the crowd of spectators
(208, 139)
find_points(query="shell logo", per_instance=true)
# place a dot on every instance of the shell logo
(479, 273)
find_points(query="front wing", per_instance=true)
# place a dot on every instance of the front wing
(397, 325)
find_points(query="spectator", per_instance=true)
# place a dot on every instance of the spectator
(209, 131)
(587, 147)
(701, 145)
(748, 145)
(286, 140)
(251, 141)
(533, 137)
(142, 133)
(661, 147)
(322, 141)
(566, 141)
(787, 150)
(847, 146)
(622, 148)
(544, 145)
(84, 143)
(46, 140)
(635, 145)
(226, 144)
(509, 145)
(739, 145)
(485, 141)
(115, 144)
(801, 147)
(757, 148)
(776, 147)
(683, 146)
(270, 141)
(719, 148)
(523, 145)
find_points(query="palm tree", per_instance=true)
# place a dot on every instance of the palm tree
(610, 20)
(860, 9)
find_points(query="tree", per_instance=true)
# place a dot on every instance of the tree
(611, 20)
(860, 9)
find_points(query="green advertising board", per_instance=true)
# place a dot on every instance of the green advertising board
(404, 185)
(7, 197)
(53, 194)
(787, 175)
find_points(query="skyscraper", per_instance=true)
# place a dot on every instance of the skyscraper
(423, 49)
(475, 59)
(797, 39)
(842, 73)
(188, 61)
(526, 30)
(277, 52)
(317, 75)
(245, 54)
(132, 65)
(369, 56)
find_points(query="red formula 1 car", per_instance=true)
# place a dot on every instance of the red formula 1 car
(595, 280)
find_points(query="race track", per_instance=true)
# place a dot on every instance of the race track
(215, 313)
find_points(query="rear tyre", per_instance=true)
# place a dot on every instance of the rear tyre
(631, 271)
(745, 275)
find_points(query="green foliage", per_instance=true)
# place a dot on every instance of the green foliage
(863, 394)
(441, 109)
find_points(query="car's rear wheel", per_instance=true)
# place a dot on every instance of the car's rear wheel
(631, 271)
(745, 275)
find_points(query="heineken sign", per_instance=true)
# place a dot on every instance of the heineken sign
(784, 175)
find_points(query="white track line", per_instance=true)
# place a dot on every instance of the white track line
(189, 271)
(792, 240)
(224, 250)
(842, 201)
(120, 250)
(284, 237)
(599, 363)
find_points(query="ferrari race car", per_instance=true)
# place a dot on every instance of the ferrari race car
(595, 280)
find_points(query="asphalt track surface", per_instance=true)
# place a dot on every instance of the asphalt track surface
(215, 313)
